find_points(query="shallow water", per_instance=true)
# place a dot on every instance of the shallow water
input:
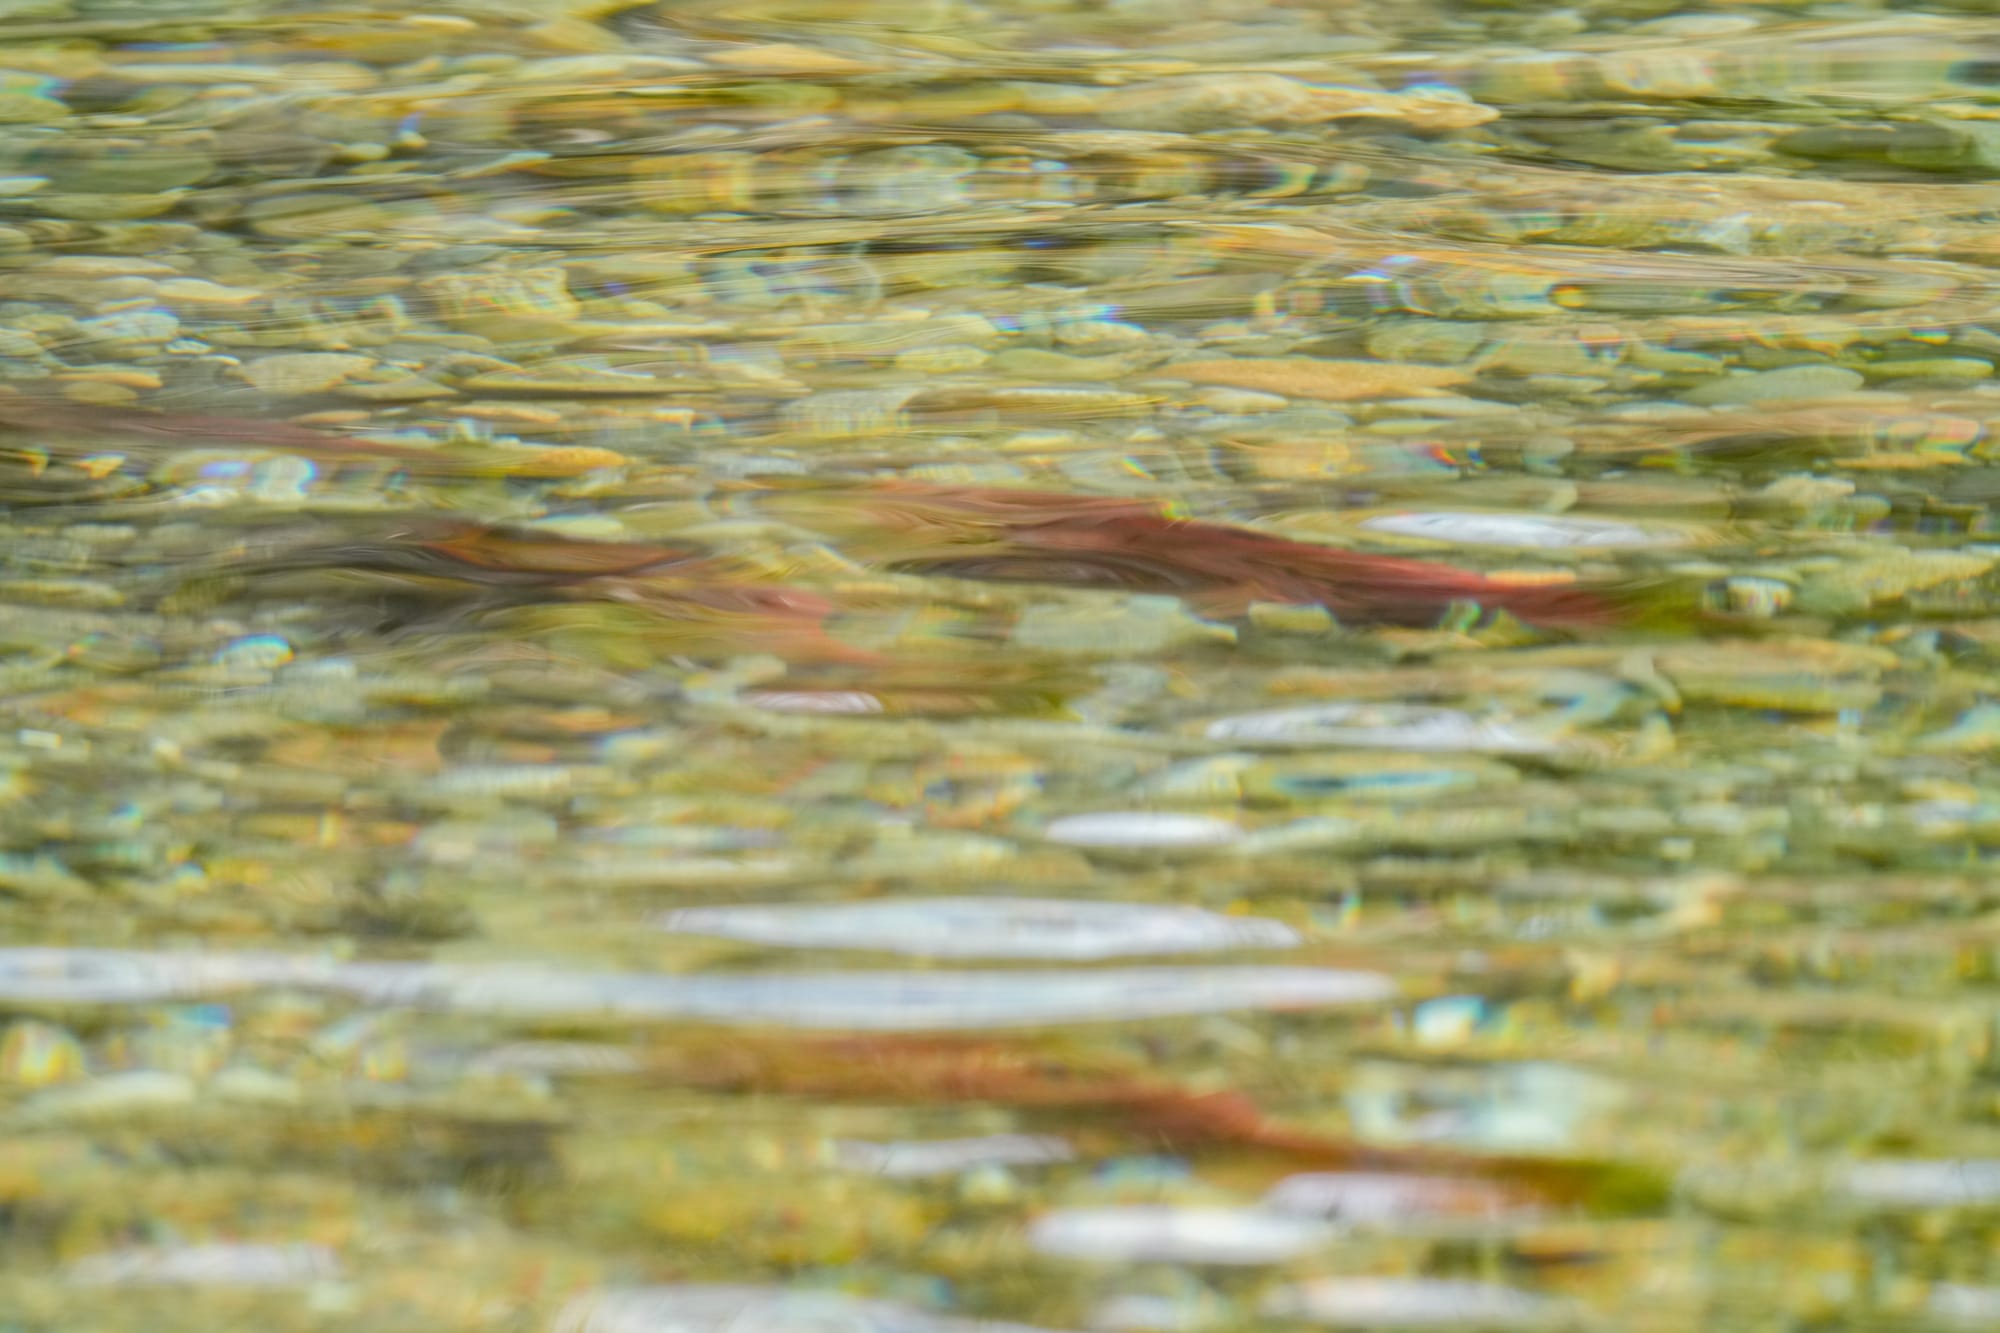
(793, 666)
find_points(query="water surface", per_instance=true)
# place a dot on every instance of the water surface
(803, 666)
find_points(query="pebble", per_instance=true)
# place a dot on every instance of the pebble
(916, 1159)
(1958, 1303)
(1449, 1020)
(1906, 1183)
(946, 360)
(786, 58)
(920, 1001)
(108, 1097)
(1387, 1302)
(37, 1055)
(1531, 1106)
(557, 380)
(218, 1265)
(1308, 377)
(1191, 1307)
(1360, 1198)
(1756, 598)
(1240, 401)
(1161, 1233)
(1291, 618)
(1801, 675)
(106, 266)
(201, 292)
(1101, 333)
(1198, 102)
(40, 878)
(1050, 928)
(1135, 625)
(556, 1057)
(720, 1308)
(255, 1087)
(1525, 531)
(1039, 363)
(1886, 574)
(76, 593)
(1743, 387)
(852, 702)
(259, 652)
(391, 384)
(100, 392)
(18, 108)
(1977, 731)
(1388, 726)
(1930, 367)
(850, 413)
(524, 303)
(884, 1001)
(1141, 829)
(298, 373)
(131, 330)
(114, 976)
(1379, 774)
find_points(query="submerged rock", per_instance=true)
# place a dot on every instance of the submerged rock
(1376, 1302)
(1147, 1233)
(888, 1001)
(1382, 726)
(218, 1265)
(988, 928)
(718, 1308)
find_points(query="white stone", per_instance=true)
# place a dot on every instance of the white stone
(1158, 1233)
(1055, 928)
(1141, 828)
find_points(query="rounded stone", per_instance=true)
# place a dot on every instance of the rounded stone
(1770, 386)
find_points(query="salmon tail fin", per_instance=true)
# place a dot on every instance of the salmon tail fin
(1663, 605)
(1659, 605)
